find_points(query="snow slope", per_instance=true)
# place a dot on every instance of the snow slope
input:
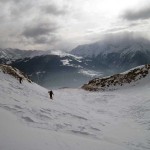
(75, 119)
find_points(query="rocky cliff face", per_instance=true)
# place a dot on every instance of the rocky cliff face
(14, 72)
(128, 78)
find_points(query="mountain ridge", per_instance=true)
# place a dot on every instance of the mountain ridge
(112, 55)
(113, 44)
(117, 81)
(120, 53)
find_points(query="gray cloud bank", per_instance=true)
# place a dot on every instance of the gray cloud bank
(53, 10)
(59, 24)
(30, 23)
(140, 14)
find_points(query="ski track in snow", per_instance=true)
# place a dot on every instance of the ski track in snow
(121, 117)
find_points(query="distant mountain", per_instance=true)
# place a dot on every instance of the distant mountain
(50, 68)
(9, 54)
(117, 52)
(132, 77)
(56, 70)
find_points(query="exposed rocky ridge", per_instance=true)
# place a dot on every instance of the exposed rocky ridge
(14, 72)
(112, 82)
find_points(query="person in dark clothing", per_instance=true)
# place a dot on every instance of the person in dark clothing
(51, 94)
(20, 80)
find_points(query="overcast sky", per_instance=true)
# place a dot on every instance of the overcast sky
(64, 24)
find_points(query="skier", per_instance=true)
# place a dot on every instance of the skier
(20, 80)
(51, 94)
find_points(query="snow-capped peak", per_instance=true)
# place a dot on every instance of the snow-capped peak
(113, 44)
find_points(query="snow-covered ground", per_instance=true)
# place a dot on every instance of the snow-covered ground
(74, 120)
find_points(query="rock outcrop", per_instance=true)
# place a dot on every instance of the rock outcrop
(14, 72)
(118, 80)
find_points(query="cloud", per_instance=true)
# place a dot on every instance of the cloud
(12, 1)
(40, 33)
(53, 10)
(123, 38)
(115, 29)
(15, 9)
(38, 24)
(38, 30)
(20, 10)
(41, 40)
(140, 14)
(52, 39)
(24, 24)
(7, 1)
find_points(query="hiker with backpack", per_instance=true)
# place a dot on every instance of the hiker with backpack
(20, 80)
(51, 94)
